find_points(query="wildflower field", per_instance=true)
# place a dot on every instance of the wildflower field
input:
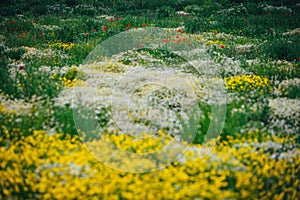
(177, 99)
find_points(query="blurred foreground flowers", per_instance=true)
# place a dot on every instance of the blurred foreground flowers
(47, 167)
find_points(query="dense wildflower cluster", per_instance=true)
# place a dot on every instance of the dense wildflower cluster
(246, 83)
(285, 114)
(43, 166)
(140, 145)
(288, 88)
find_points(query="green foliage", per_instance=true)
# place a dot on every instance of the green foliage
(29, 82)
(85, 11)
(38, 116)
(283, 48)
(6, 82)
(15, 54)
(248, 20)
(79, 52)
(39, 9)
(165, 11)
(203, 123)
(63, 120)
(71, 74)
(293, 92)
(239, 114)
(274, 71)
(103, 116)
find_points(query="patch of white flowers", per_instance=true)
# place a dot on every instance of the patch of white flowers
(285, 114)
(269, 8)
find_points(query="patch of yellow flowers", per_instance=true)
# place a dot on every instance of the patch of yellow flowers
(210, 42)
(62, 46)
(74, 82)
(246, 83)
(47, 167)
(141, 144)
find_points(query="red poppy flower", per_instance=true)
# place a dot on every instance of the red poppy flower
(179, 31)
(144, 25)
(188, 44)
(21, 67)
(183, 39)
(41, 35)
(104, 28)
(20, 36)
(25, 33)
(117, 19)
(299, 58)
(111, 20)
(222, 46)
(170, 36)
(16, 28)
(164, 40)
(141, 45)
(13, 23)
(34, 21)
(128, 26)
(87, 34)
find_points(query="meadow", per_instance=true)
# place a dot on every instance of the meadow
(149, 100)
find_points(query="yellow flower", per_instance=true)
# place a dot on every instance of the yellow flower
(246, 83)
